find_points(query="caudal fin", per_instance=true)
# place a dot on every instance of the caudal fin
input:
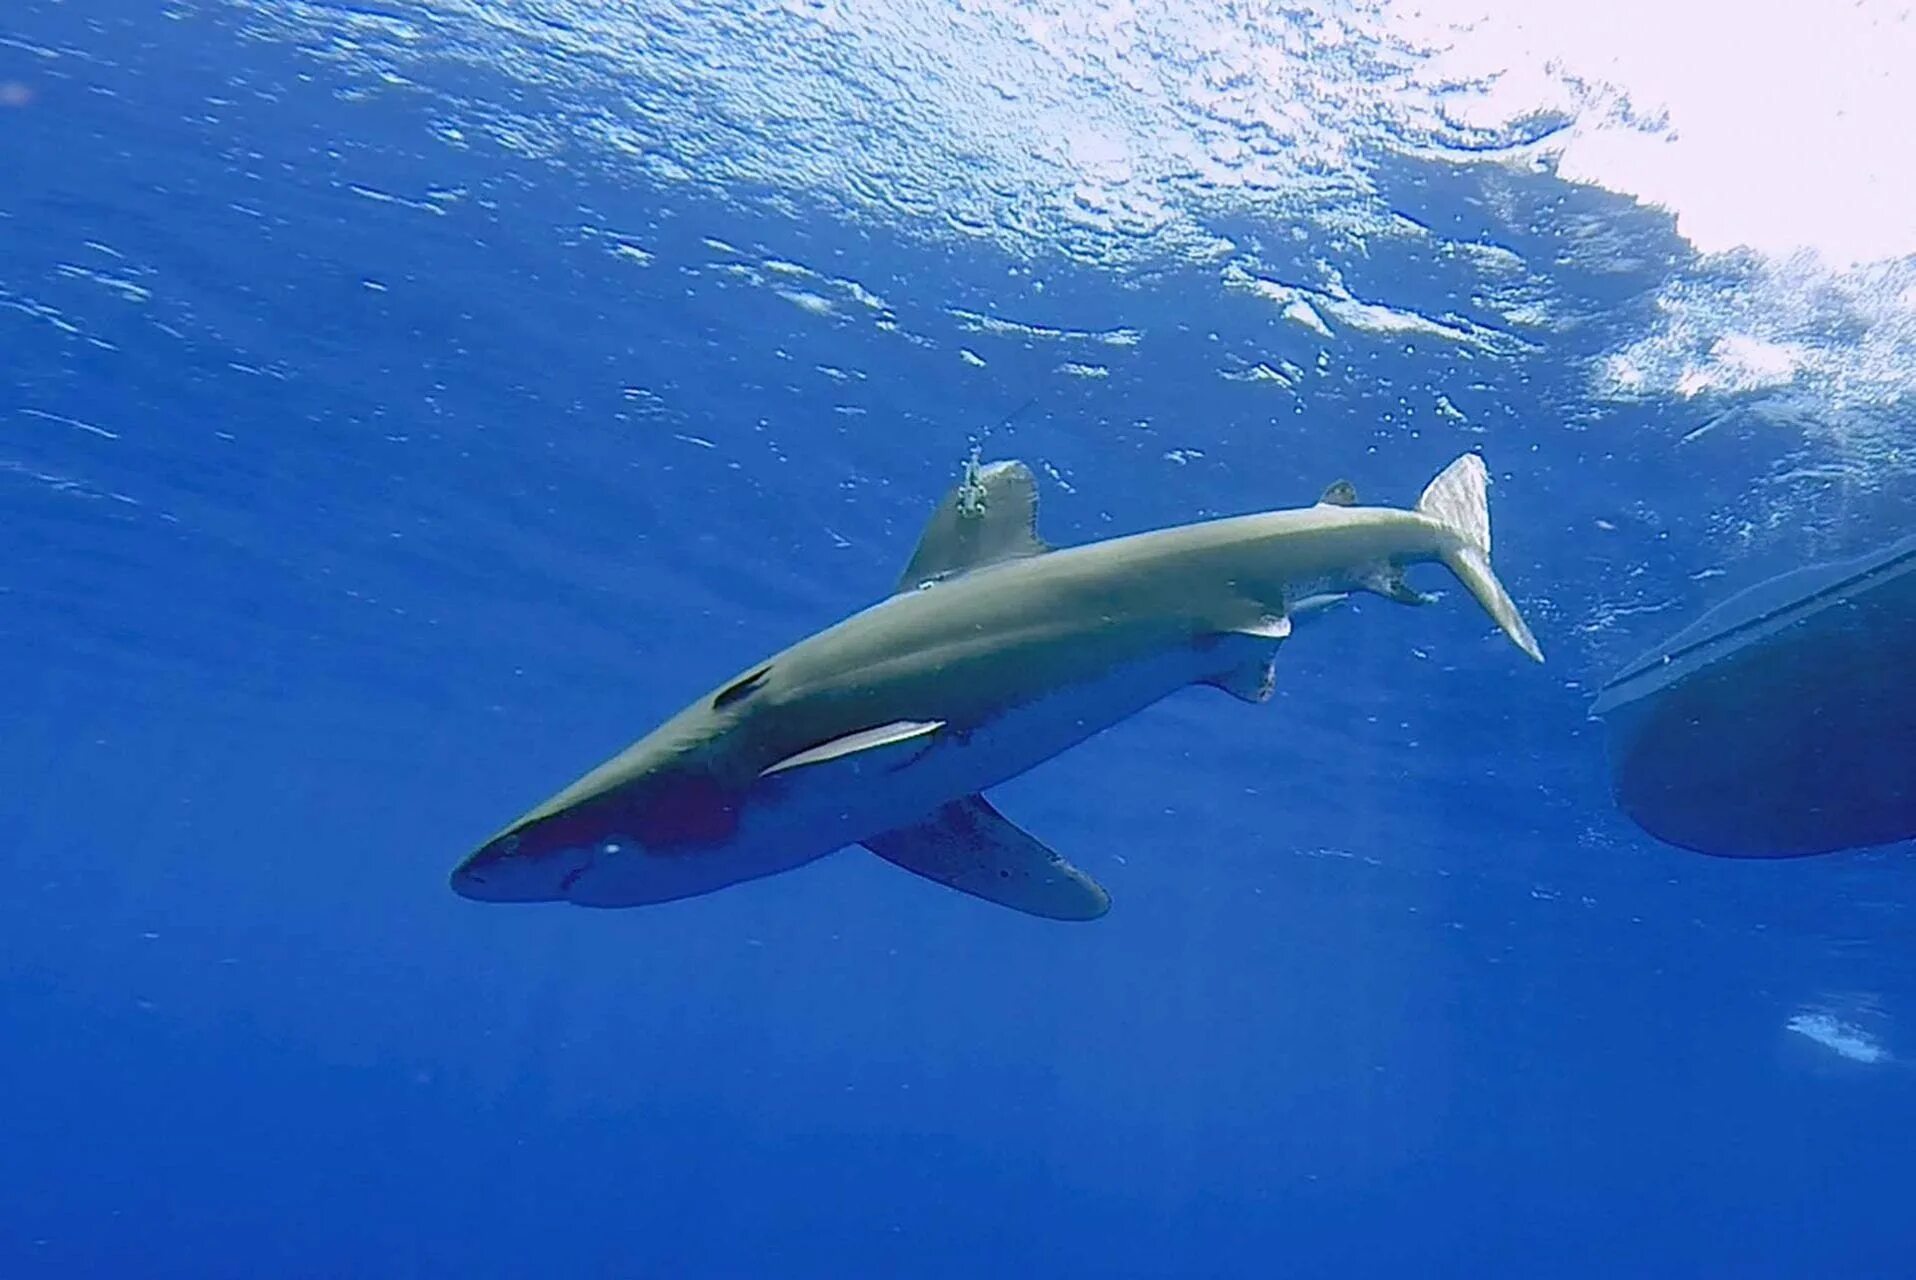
(1459, 500)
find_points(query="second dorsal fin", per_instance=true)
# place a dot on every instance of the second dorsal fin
(1341, 493)
(989, 516)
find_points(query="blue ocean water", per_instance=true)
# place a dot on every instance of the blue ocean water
(403, 407)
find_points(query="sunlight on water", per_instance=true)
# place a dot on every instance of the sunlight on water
(1118, 131)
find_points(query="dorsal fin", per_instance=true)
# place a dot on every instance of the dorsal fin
(1342, 493)
(990, 515)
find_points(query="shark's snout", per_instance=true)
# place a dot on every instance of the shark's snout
(659, 818)
(510, 869)
(665, 835)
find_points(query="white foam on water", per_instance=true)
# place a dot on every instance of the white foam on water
(1118, 131)
(1845, 1039)
(1779, 144)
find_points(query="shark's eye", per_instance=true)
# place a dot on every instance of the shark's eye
(739, 688)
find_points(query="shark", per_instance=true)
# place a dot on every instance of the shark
(995, 653)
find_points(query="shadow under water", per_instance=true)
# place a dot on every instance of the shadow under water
(1780, 723)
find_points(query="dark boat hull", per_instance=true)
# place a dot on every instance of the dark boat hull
(1780, 730)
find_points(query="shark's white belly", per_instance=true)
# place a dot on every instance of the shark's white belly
(826, 807)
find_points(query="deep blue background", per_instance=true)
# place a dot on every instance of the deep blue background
(337, 529)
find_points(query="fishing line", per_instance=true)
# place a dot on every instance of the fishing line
(980, 439)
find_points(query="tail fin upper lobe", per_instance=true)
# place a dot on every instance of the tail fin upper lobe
(1458, 499)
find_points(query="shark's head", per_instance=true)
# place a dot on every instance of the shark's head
(528, 863)
(654, 818)
(662, 817)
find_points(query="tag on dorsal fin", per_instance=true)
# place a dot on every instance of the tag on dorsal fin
(991, 515)
(901, 739)
(1341, 493)
(969, 846)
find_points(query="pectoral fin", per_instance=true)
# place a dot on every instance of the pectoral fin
(896, 743)
(969, 846)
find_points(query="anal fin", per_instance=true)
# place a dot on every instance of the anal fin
(1247, 656)
(1264, 626)
(1387, 580)
(1253, 680)
(969, 846)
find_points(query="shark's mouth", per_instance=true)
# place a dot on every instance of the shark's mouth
(665, 820)
(504, 871)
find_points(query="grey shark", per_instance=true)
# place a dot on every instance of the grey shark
(995, 654)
